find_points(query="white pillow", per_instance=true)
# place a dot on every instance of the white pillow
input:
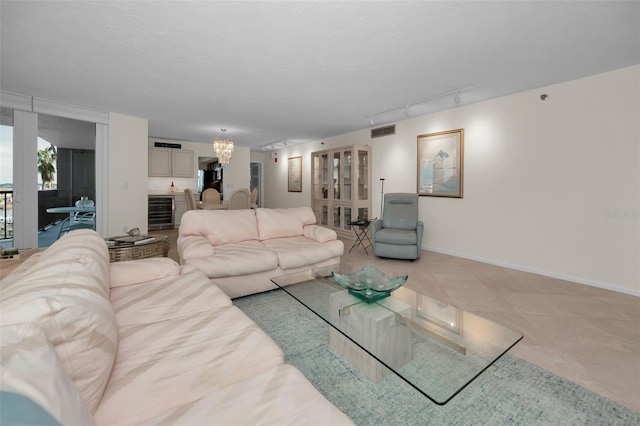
(29, 366)
(319, 233)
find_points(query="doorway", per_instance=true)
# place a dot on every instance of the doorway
(210, 175)
(256, 181)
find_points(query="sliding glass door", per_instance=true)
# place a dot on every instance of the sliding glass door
(52, 156)
(66, 176)
(6, 177)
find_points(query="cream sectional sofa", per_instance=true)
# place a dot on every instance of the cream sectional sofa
(240, 250)
(87, 342)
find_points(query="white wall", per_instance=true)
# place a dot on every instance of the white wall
(236, 174)
(128, 170)
(551, 186)
(276, 178)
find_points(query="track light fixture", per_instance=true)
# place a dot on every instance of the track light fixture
(405, 107)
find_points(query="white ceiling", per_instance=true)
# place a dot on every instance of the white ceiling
(300, 71)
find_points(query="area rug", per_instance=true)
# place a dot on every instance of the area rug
(511, 392)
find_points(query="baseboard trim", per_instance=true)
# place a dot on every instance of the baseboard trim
(542, 272)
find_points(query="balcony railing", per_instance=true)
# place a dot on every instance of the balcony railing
(6, 214)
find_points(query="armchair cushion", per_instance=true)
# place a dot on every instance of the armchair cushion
(397, 236)
(401, 211)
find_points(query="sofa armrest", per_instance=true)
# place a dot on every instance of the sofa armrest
(195, 247)
(319, 233)
(138, 271)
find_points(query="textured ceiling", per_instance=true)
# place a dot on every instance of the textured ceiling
(300, 71)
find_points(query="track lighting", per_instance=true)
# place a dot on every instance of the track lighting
(405, 107)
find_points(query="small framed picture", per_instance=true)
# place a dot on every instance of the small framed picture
(440, 163)
(295, 174)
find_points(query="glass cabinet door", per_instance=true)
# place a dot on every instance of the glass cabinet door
(363, 213)
(346, 218)
(346, 158)
(363, 175)
(337, 176)
(321, 176)
(322, 214)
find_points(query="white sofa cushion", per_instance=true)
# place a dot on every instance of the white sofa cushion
(139, 271)
(294, 252)
(66, 295)
(29, 366)
(279, 223)
(243, 258)
(164, 298)
(279, 396)
(220, 226)
(165, 365)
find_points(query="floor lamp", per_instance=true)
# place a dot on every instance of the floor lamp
(381, 196)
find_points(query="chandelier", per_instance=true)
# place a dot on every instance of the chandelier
(223, 148)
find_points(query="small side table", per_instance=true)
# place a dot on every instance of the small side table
(361, 228)
(157, 245)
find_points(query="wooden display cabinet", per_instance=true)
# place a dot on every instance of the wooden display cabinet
(341, 187)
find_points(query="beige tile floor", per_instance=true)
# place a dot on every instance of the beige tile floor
(585, 334)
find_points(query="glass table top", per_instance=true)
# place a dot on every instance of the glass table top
(435, 347)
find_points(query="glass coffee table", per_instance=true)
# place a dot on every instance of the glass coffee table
(435, 347)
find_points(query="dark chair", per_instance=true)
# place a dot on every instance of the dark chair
(398, 234)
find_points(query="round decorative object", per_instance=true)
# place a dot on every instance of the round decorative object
(84, 202)
(368, 283)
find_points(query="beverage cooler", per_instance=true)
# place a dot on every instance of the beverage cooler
(161, 212)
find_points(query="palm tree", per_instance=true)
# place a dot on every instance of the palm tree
(46, 164)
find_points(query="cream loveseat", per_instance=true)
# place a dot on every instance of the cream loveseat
(240, 250)
(141, 342)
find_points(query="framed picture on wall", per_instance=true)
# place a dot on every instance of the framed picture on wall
(440, 163)
(295, 174)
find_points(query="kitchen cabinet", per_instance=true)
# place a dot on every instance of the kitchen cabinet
(167, 162)
(180, 207)
(341, 187)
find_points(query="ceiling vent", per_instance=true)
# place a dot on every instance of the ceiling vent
(383, 131)
(167, 145)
